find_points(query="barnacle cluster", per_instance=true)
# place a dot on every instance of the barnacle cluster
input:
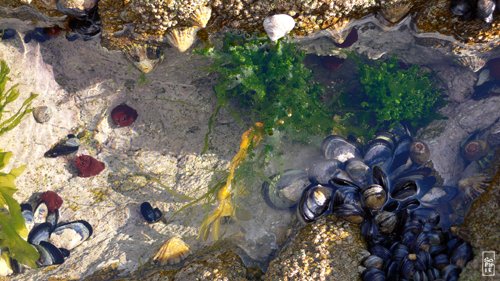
(387, 188)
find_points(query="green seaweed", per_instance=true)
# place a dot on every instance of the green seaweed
(270, 84)
(8, 96)
(13, 230)
(390, 95)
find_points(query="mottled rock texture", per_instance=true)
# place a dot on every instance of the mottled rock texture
(329, 249)
(217, 265)
(481, 227)
(129, 23)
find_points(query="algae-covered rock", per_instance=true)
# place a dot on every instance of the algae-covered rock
(329, 249)
(221, 264)
(481, 228)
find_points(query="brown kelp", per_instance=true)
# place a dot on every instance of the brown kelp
(249, 139)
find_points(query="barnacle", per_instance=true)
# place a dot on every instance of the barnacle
(201, 16)
(172, 251)
(182, 38)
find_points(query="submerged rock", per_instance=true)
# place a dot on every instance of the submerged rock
(481, 227)
(221, 264)
(328, 249)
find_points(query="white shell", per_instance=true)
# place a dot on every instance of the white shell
(278, 26)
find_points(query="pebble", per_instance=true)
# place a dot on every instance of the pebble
(42, 114)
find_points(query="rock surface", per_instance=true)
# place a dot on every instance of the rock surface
(156, 159)
(218, 265)
(136, 24)
(481, 227)
(445, 137)
(329, 249)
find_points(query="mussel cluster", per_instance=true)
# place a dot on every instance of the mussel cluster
(468, 9)
(388, 190)
(84, 22)
(53, 239)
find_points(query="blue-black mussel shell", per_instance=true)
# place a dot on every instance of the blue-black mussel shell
(8, 33)
(314, 203)
(373, 274)
(66, 147)
(149, 214)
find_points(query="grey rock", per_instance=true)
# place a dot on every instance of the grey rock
(494, 135)
(459, 81)
(42, 114)
(444, 137)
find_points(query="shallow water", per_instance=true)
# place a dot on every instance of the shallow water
(82, 82)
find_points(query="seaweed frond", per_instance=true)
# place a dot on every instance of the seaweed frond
(8, 96)
(13, 231)
(249, 139)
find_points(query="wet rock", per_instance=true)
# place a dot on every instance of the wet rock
(459, 82)
(494, 135)
(494, 67)
(78, 4)
(222, 264)
(42, 114)
(329, 249)
(481, 227)
(444, 137)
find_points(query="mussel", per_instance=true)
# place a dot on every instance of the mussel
(374, 197)
(386, 221)
(358, 171)
(441, 261)
(401, 156)
(315, 202)
(70, 235)
(373, 261)
(337, 148)
(371, 232)
(485, 9)
(49, 254)
(42, 215)
(149, 214)
(323, 171)
(86, 27)
(450, 272)
(463, 8)
(27, 212)
(380, 251)
(40, 233)
(373, 274)
(68, 146)
(7, 33)
(379, 153)
(349, 212)
(461, 254)
(283, 191)
(404, 190)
